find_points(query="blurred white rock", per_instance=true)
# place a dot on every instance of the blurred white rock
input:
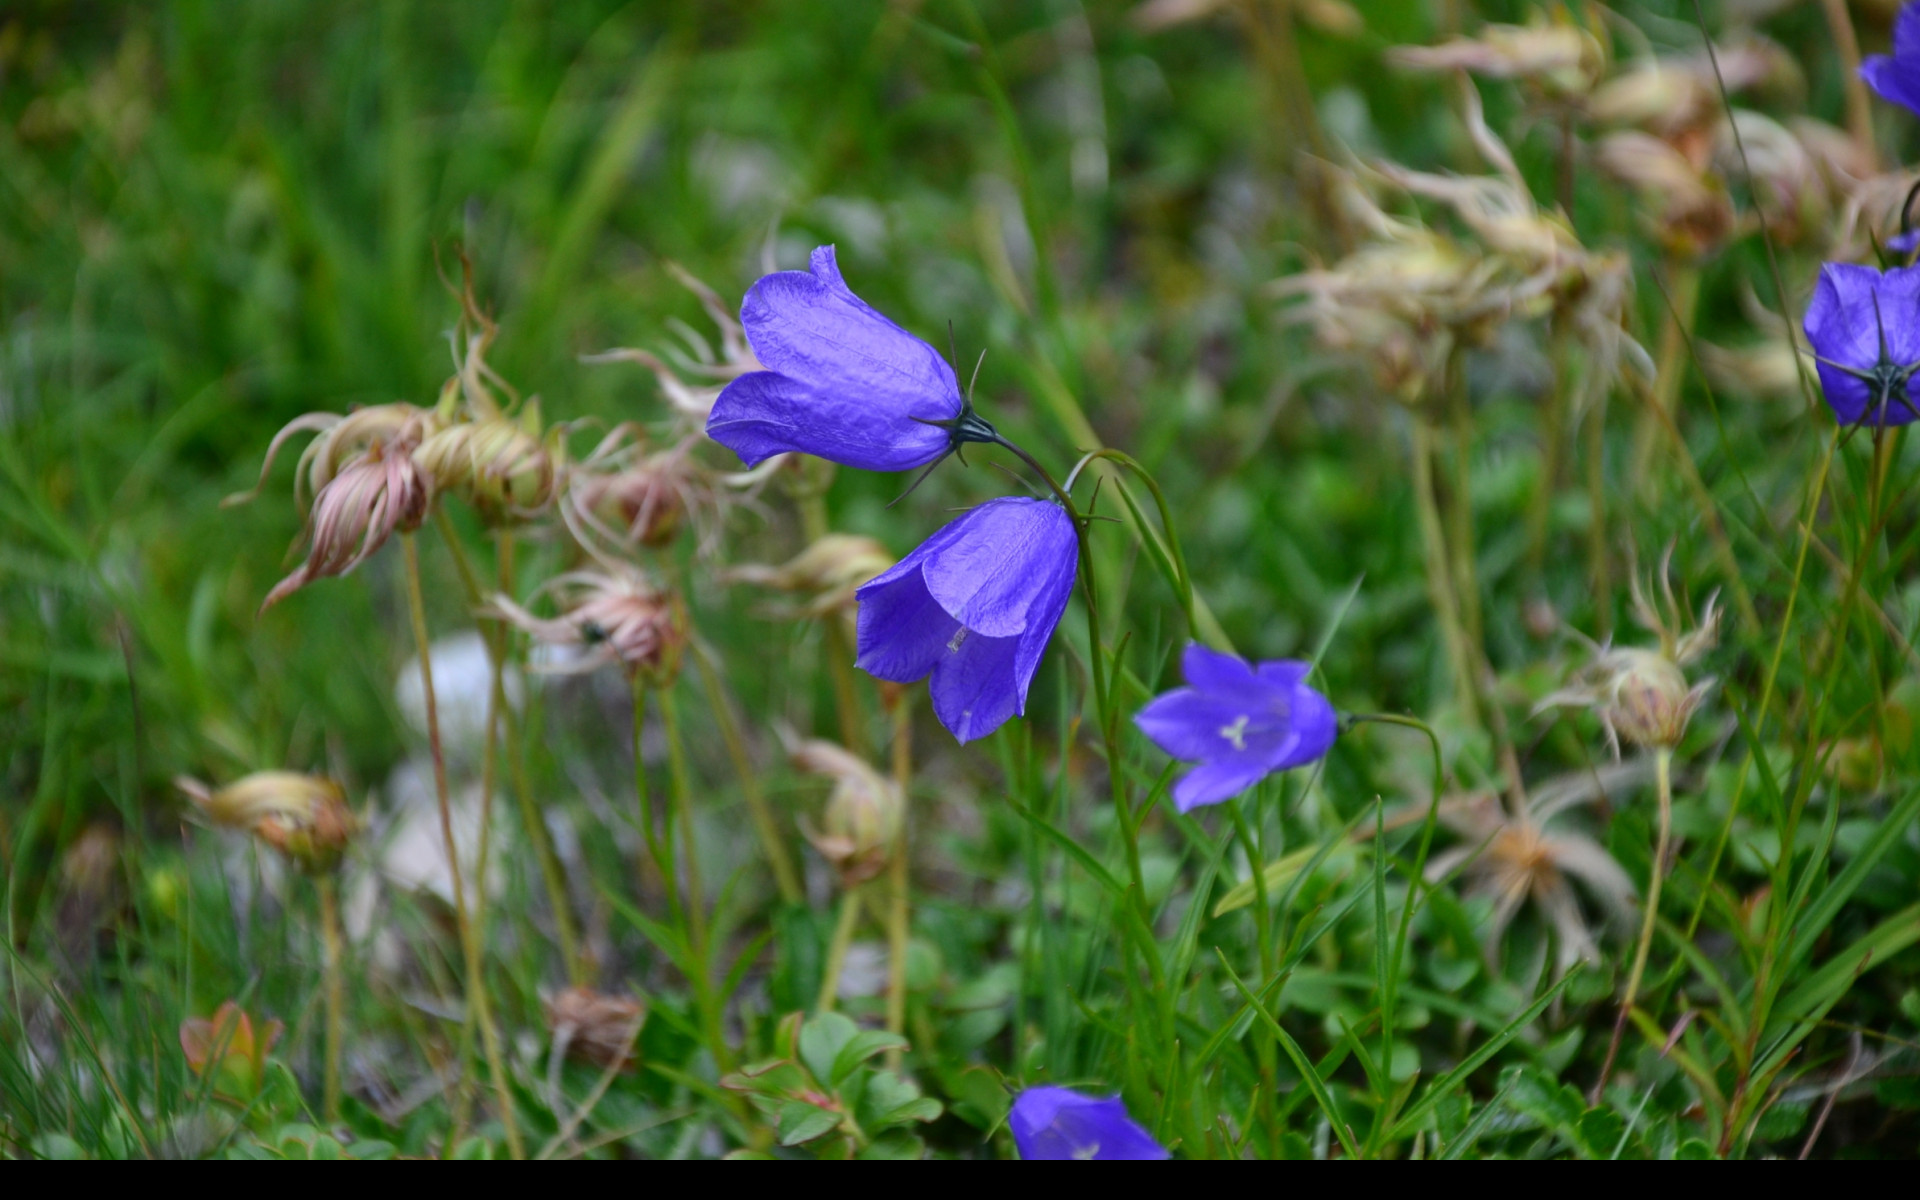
(462, 677)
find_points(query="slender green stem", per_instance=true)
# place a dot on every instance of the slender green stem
(659, 848)
(696, 912)
(1773, 671)
(336, 998)
(1670, 366)
(1663, 787)
(837, 949)
(785, 875)
(899, 926)
(1599, 555)
(499, 647)
(1440, 580)
(1466, 573)
(476, 991)
(846, 696)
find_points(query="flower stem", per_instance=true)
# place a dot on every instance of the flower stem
(705, 1001)
(1859, 106)
(898, 916)
(1440, 584)
(837, 949)
(499, 646)
(1663, 786)
(846, 697)
(785, 876)
(1599, 561)
(475, 981)
(1670, 364)
(336, 998)
(659, 849)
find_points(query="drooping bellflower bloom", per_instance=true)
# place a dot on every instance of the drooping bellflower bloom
(842, 382)
(1865, 331)
(1897, 76)
(1057, 1122)
(974, 605)
(1241, 722)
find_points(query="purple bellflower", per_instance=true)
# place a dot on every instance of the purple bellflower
(1897, 76)
(1240, 722)
(1865, 331)
(975, 605)
(1057, 1122)
(842, 382)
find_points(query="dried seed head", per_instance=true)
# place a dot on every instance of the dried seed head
(630, 498)
(826, 573)
(304, 817)
(1561, 62)
(1639, 695)
(594, 1026)
(498, 464)
(1688, 210)
(691, 378)
(612, 616)
(343, 440)
(860, 826)
(375, 495)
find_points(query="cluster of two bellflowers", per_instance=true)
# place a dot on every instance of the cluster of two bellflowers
(974, 606)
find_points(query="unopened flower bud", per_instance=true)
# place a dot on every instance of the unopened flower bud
(860, 826)
(304, 817)
(1650, 702)
(496, 463)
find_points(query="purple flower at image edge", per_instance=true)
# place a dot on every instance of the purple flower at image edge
(1241, 722)
(1904, 243)
(974, 605)
(1057, 1122)
(1864, 328)
(842, 382)
(1897, 76)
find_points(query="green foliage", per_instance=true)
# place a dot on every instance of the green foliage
(215, 218)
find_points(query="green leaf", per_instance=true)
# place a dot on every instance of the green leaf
(1600, 1132)
(864, 1046)
(897, 1144)
(1308, 1075)
(1694, 1150)
(802, 1122)
(822, 1039)
(1473, 1062)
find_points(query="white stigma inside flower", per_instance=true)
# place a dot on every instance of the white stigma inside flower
(1087, 1152)
(959, 636)
(1236, 732)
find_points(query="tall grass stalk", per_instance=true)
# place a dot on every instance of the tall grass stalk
(1656, 874)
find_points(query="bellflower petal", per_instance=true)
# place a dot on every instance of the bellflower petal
(1059, 1123)
(1897, 76)
(1241, 722)
(1211, 783)
(1853, 309)
(843, 382)
(974, 605)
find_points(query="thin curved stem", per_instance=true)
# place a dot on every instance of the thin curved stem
(899, 925)
(336, 998)
(785, 876)
(1663, 786)
(477, 1007)
(843, 928)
